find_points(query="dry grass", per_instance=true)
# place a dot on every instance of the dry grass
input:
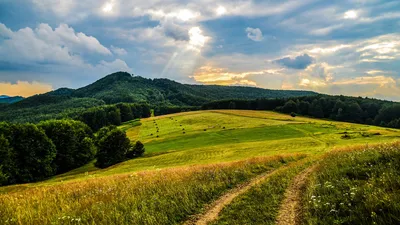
(155, 197)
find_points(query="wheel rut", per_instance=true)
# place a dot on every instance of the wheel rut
(290, 210)
(212, 210)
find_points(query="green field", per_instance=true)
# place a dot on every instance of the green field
(229, 135)
(186, 141)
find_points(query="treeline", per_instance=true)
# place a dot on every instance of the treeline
(98, 117)
(340, 108)
(164, 110)
(30, 152)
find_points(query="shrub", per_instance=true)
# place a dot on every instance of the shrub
(113, 144)
(136, 151)
(289, 106)
(73, 141)
(293, 114)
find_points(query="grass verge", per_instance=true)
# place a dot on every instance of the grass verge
(260, 205)
(155, 197)
(356, 186)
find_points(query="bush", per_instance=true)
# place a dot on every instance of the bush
(73, 141)
(136, 151)
(293, 114)
(289, 107)
(26, 153)
(113, 145)
(3, 177)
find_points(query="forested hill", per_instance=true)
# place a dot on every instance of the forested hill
(123, 87)
(8, 99)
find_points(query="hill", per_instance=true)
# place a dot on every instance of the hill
(123, 87)
(8, 99)
(200, 159)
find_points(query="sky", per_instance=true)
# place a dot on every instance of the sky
(335, 47)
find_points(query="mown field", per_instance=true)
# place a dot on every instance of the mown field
(205, 137)
(194, 158)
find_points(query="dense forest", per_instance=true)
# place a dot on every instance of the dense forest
(163, 95)
(340, 108)
(33, 152)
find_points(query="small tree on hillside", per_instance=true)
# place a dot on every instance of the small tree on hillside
(136, 151)
(113, 144)
(290, 106)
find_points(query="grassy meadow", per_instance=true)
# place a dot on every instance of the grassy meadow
(358, 185)
(193, 158)
(152, 197)
(205, 137)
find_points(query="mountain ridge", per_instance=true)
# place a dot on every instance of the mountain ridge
(124, 87)
(10, 99)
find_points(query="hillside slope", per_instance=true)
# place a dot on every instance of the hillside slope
(8, 99)
(123, 87)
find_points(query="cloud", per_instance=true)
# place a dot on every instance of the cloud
(321, 70)
(4, 31)
(379, 80)
(194, 11)
(254, 34)
(222, 76)
(174, 31)
(196, 39)
(118, 51)
(299, 62)
(60, 8)
(45, 45)
(24, 88)
(111, 67)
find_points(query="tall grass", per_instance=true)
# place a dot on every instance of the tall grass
(154, 197)
(356, 186)
(260, 205)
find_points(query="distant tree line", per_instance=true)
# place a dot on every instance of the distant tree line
(164, 110)
(30, 152)
(340, 108)
(98, 117)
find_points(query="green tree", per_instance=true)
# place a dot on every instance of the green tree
(73, 141)
(388, 113)
(136, 151)
(289, 107)
(31, 153)
(315, 109)
(126, 112)
(5, 160)
(303, 108)
(113, 116)
(232, 105)
(113, 144)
